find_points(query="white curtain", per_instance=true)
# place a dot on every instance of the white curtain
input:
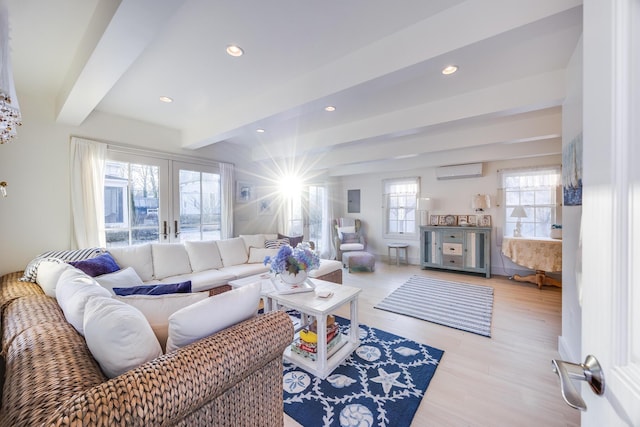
(87, 161)
(329, 250)
(226, 190)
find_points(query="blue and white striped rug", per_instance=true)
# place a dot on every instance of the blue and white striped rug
(456, 305)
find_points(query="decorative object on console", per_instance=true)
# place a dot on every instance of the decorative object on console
(10, 117)
(424, 206)
(518, 212)
(480, 202)
(556, 231)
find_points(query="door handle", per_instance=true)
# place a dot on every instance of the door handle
(165, 232)
(589, 371)
(175, 228)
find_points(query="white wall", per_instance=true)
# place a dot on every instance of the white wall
(36, 215)
(448, 197)
(570, 342)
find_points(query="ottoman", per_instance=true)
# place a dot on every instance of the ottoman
(359, 260)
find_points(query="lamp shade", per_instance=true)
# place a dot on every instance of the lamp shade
(480, 202)
(518, 212)
(424, 204)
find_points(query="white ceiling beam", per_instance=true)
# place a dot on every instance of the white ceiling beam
(105, 56)
(480, 19)
(537, 125)
(508, 98)
(486, 153)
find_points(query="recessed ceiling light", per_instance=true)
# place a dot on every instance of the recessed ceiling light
(166, 99)
(329, 108)
(449, 69)
(234, 50)
(260, 130)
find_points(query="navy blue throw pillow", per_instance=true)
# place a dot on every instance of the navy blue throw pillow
(97, 266)
(160, 289)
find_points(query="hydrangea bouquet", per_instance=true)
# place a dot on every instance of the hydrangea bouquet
(293, 260)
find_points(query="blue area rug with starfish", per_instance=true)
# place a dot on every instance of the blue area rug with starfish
(381, 383)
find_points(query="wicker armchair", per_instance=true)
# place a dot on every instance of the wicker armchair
(231, 378)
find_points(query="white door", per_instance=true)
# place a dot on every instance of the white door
(611, 210)
(196, 202)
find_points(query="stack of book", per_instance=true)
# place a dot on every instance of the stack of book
(306, 344)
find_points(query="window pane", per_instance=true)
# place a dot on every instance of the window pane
(535, 190)
(200, 204)
(131, 203)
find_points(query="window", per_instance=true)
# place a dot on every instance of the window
(401, 197)
(131, 198)
(537, 190)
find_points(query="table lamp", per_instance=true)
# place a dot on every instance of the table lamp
(480, 202)
(518, 212)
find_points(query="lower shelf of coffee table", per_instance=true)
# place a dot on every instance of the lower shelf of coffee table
(335, 357)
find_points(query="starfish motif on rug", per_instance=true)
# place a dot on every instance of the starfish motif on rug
(388, 380)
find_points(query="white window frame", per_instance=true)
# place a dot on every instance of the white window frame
(406, 203)
(532, 222)
(168, 210)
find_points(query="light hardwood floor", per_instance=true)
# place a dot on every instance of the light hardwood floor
(505, 380)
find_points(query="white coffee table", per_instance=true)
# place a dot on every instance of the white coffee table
(310, 306)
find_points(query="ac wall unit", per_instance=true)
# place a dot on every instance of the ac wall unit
(470, 170)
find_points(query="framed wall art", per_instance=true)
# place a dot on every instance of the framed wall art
(265, 206)
(244, 192)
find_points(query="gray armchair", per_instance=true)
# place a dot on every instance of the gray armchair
(346, 241)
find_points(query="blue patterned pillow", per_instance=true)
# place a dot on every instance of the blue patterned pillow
(102, 264)
(160, 289)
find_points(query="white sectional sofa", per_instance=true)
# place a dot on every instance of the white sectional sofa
(209, 265)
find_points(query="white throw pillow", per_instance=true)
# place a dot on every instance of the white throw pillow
(125, 278)
(118, 336)
(170, 259)
(203, 255)
(257, 255)
(233, 251)
(136, 256)
(349, 229)
(214, 314)
(73, 291)
(253, 240)
(157, 309)
(48, 274)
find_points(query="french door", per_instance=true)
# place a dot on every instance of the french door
(148, 199)
(309, 215)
